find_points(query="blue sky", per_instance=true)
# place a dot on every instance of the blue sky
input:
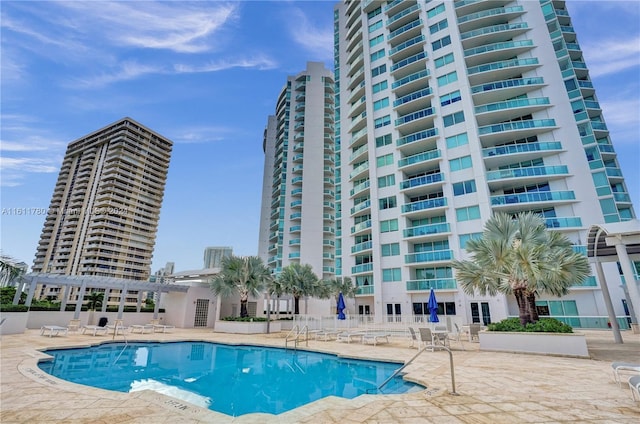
(207, 75)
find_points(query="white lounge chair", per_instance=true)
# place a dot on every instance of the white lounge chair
(141, 328)
(623, 366)
(94, 330)
(634, 385)
(375, 338)
(347, 336)
(53, 330)
(160, 328)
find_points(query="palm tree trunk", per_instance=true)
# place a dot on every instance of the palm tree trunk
(296, 305)
(243, 309)
(531, 303)
(523, 311)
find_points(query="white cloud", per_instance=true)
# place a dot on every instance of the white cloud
(124, 71)
(261, 63)
(316, 39)
(612, 55)
(202, 134)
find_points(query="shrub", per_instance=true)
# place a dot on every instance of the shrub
(9, 307)
(544, 325)
(245, 319)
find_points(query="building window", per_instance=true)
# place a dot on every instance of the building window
(438, 26)
(387, 202)
(391, 274)
(384, 140)
(382, 85)
(392, 249)
(454, 118)
(381, 122)
(435, 11)
(468, 214)
(384, 160)
(382, 103)
(444, 60)
(387, 181)
(438, 44)
(457, 164)
(464, 187)
(447, 79)
(376, 25)
(457, 140)
(378, 71)
(389, 226)
(464, 238)
(374, 13)
(376, 40)
(377, 55)
(453, 97)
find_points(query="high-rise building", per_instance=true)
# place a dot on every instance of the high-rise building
(449, 111)
(298, 199)
(104, 212)
(213, 256)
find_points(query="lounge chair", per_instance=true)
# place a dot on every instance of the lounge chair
(118, 327)
(325, 335)
(623, 366)
(474, 332)
(94, 330)
(141, 328)
(634, 385)
(160, 328)
(53, 330)
(347, 336)
(375, 338)
(74, 325)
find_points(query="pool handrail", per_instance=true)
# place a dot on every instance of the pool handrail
(296, 337)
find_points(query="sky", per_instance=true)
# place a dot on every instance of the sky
(207, 74)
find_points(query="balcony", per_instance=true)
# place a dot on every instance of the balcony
(419, 160)
(416, 120)
(488, 17)
(401, 18)
(421, 181)
(433, 256)
(503, 155)
(570, 222)
(435, 284)
(435, 205)
(418, 141)
(496, 51)
(411, 46)
(493, 33)
(360, 207)
(362, 247)
(360, 227)
(427, 230)
(528, 172)
(364, 290)
(501, 70)
(359, 269)
(405, 32)
(490, 134)
(507, 89)
(359, 171)
(409, 65)
(408, 99)
(410, 83)
(532, 198)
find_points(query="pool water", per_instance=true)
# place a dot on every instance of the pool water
(233, 380)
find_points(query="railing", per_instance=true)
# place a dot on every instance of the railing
(296, 332)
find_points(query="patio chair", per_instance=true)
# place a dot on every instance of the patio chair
(441, 335)
(634, 385)
(427, 337)
(414, 337)
(74, 325)
(623, 366)
(474, 332)
(458, 336)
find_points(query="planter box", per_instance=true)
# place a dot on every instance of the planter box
(236, 327)
(561, 344)
(14, 322)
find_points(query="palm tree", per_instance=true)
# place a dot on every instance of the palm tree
(95, 300)
(275, 288)
(342, 285)
(300, 280)
(521, 257)
(245, 275)
(8, 270)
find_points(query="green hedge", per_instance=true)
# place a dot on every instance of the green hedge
(544, 325)
(246, 319)
(10, 307)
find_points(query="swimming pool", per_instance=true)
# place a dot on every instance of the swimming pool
(233, 380)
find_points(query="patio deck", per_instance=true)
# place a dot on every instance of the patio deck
(493, 387)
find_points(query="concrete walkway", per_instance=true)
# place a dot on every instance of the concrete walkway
(491, 387)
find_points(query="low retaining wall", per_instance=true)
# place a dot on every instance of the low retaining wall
(560, 344)
(238, 327)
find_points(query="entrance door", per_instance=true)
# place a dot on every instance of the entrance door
(480, 313)
(202, 313)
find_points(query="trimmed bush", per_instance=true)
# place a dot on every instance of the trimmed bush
(544, 325)
(245, 319)
(10, 307)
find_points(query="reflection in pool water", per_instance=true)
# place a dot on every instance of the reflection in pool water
(234, 380)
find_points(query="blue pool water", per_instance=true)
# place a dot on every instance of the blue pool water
(233, 380)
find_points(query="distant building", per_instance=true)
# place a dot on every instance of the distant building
(213, 256)
(105, 207)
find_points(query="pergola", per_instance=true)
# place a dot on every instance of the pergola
(617, 242)
(84, 282)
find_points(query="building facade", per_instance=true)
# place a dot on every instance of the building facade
(105, 208)
(213, 256)
(447, 112)
(298, 201)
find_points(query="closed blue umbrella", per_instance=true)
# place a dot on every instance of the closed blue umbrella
(341, 307)
(433, 307)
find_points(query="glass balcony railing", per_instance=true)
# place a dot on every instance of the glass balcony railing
(413, 96)
(361, 226)
(434, 256)
(424, 230)
(359, 187)
(522, 82)
(421, 135)
(521, 148)
(361, 206)
(402, 14)
(621, 197)
(538, 196)
(408, 61)
(424, 113)
(502, 65)
(492, 29)
(404, 28)
(425, 204)
(364, 290)
(408, 43)
(531, 171)
(436, 284)
(360, 247)
(358, 269)
(516, 125)
(563, 222)
(420, 157)
(359, 169)
(510, 104)
(410, 78)
(422, 180)
(498, 46)
(490, 12)
(613, 172)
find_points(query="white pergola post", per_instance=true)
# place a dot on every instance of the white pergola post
(627, 271)
(615, 328)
